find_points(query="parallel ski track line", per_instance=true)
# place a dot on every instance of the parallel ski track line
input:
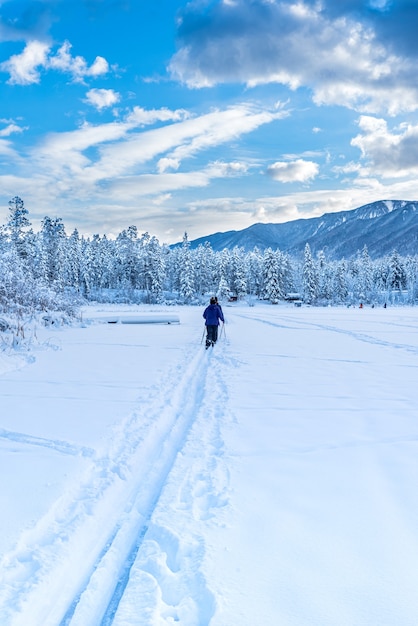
(52, 444)
(358, 336)
(94, 587)
(89, 607)
(199, 484)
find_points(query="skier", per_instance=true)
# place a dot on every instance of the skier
(217, 303)
(212, 314)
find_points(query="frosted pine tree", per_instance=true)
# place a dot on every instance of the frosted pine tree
(366, 273)
(322, 276)
(397, 274)
(156, 271)
(340, 283)
(53, 243)
(17, 223)
(73, 261)
(126, 260)
(286, 273)
(380, 278)
(271, 276)
(239, 279)
(411, 274)
(186, 271)
(224, 286)
(204, 270)
(223, 291)
(254, 262)
(309, 277)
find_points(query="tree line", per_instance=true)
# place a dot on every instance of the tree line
(50, 270)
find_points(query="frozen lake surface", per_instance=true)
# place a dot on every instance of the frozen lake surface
(269, 480)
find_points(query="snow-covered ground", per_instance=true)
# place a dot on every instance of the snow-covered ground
(268, 481)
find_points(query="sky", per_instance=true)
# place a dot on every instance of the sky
(205, 116)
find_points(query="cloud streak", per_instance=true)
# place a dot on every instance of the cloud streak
(131, 159)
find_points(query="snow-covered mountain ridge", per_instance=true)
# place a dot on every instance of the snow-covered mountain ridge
(382, 226)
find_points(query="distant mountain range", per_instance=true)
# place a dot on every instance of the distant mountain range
(382, 226)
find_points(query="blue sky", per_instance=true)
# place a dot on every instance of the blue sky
(208, 115)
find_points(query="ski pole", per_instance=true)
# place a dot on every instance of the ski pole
(223, 330)
(203, 334)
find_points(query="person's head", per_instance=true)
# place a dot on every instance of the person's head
(213, 300)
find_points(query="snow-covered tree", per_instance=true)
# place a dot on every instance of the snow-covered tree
(239, 279)
(17, 223)
(254, 272)
(186, 271)
(397, 275)
(272, 289)
(53, 245)
(309, 277)
(155, 271)
(224, 284)
(340, 283)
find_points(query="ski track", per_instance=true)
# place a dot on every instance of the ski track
(55, 576)
(359, 336)
(166, 584)
(52, 444)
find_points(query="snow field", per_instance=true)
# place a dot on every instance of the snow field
(270, 480)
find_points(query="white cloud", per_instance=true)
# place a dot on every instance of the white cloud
(76, 66)
(159, 200)
(293, 171)
(102, 98)
(141, 185)
(165, 164)
(225, 170)
(296, 44)
(99, 67)
(11, 128)
(137, 161)
(145, 117)
(388, 153)
(178, 141)
(219, 127)
(6, 148)
(349, 168)
(24, 68)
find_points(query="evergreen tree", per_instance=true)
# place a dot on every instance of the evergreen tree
(254, 272)
(271, 277)
(341, 286)
(73, 261)
(224, 287)
(187, 290)
(204, 268)
(155, 271)
(17, 223)
(309, 277)
(397, 274)
(366, 273)
(239, 280)
(411, 273)
(53, 244)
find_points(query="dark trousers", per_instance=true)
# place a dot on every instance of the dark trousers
(211, 334)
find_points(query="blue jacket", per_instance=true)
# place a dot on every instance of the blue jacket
(212, 314)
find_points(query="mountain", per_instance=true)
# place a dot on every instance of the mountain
(382, 226)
